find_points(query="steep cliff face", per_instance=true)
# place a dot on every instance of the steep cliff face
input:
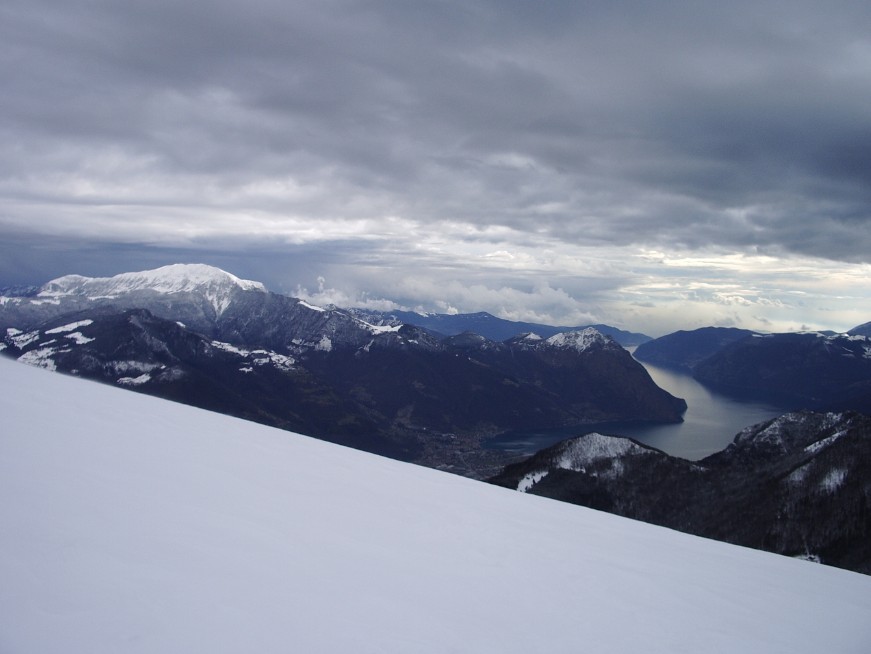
(798, 485)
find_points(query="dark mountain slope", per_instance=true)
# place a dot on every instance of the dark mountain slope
(798, 485)
(393, 394)
(861, 330)
(684, 350)
(137, 350)
(808, 370)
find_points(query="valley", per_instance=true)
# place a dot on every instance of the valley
(709, 424)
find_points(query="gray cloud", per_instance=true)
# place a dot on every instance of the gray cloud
(413, 138)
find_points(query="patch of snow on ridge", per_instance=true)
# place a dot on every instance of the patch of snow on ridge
(135, 381)
(531, 479)
(121, 367)
(227, 347)
(584, 451)
(593, 447)
(262, 357)
(380, 329)
(70, 327)
(41, 358)
(325, 344)
(312, 306)
(280, 361)
(578, 340)
(79, 338)
(21, 339)
(833, 480)
(813, 448)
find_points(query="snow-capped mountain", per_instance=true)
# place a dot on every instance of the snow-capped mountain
(131, 524)
(177, 278)
(196, 293)
(798, 485)
(204, 299)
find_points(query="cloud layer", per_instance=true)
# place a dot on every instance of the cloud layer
(554, 160)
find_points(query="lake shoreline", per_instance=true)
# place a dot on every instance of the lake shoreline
(710, 423)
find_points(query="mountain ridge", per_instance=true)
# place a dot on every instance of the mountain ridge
(488, 325)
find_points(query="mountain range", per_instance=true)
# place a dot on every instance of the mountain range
(488, 325)
(202, 336)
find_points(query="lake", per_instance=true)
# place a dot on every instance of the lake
(710, 422)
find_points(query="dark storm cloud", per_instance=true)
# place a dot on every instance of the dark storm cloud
(726, 106)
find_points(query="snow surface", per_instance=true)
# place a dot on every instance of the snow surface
(70, 327)
(135, 381)
(312, 306)
(78, 338)
(132, 524)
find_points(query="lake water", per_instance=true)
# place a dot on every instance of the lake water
(710, 422)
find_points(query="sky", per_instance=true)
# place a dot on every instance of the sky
(653, 166)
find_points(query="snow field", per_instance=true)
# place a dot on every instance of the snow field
(132, 524)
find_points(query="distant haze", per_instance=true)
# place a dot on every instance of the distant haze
(652, 167)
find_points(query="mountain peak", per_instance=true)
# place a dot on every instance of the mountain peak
(579, 340)
(175, 278)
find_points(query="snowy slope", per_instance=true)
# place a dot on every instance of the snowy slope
(132, 524)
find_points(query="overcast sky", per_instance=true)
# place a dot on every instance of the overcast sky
(655, 166)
